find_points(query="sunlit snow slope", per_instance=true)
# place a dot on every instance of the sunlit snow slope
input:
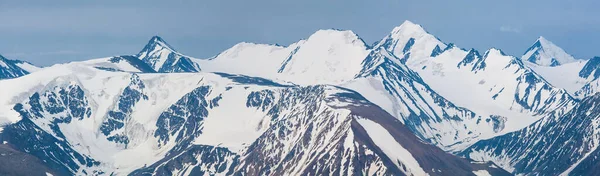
(15, 68)
(564, 145)
(326, 105)
(492, 84)
(84, 120)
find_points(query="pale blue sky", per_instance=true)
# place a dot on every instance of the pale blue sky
(45, 32)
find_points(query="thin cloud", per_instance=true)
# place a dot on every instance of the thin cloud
(510, 29)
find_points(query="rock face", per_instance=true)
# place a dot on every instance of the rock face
(494, 86)
(13, 68)
(590, 72)
(339, 57)
(163, 58)
(429, 115)
(216, 124)
(546, 53)
(571, 140)
(577, 76)
(326, 105)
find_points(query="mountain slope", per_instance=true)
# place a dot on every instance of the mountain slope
(14, 68)
(591, 72)
(492, 84)
(29, 67)
(411, 40)
(250, 59)
(579, 78)
(84, 120)
(125, 63)
(157, 56)
(164, 59)
(546, 53)
(565, 76)
(562, 145)
(337, 57)
(561, 69)
(326, 57)
(127, 115)
(402, 93)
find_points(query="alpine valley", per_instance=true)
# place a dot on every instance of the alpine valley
(330, 104)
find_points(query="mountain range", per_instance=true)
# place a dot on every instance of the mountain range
(330, 104)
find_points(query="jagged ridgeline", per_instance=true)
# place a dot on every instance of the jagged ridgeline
(216, 124)
(330, 104)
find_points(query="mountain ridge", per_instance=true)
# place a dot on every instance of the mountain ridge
(545, 53)
(86, 135)
(535, 149)
(15, 68)
(326, 104)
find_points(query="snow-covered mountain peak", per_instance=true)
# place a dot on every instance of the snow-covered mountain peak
(500, 59)
(155, 52)
(545, 42)
(326, 57)
(471, 57)
(494, 51)
(14, 68)
(242, 49)
(409, 27)
(545, 53)
(155, 44)
(254, 59)
(411, 40)
(157, 41)
(337, 36)
(163, 58)
(95, 121)
(473, 50)
(542, 39)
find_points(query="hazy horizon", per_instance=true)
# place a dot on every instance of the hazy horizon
(47, 33)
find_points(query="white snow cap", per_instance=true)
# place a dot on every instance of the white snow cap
(157, 41)
(546, 53)
(408, 27)
(326, 57)
(410, 37)
(156, 52)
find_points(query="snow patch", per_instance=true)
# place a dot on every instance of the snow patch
(386, 142)
(482, 173)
